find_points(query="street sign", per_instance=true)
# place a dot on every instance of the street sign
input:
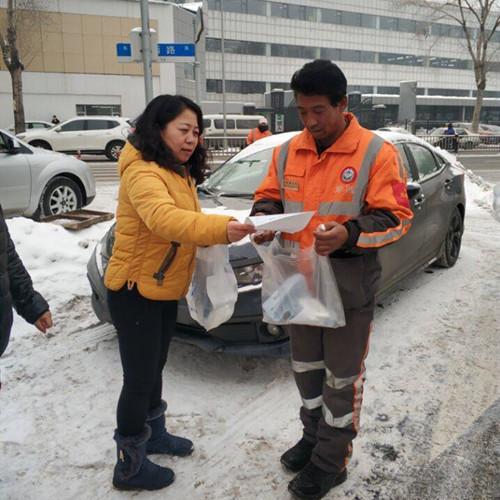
(124, 52)
(176, 52)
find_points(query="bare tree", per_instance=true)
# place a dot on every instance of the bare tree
(479, 20)
(22, 17)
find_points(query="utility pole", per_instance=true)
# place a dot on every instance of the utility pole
(146, 51)
(223, 73)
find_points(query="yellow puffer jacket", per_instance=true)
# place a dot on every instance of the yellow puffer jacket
(158, 209)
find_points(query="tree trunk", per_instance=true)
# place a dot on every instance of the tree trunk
(481, 85)
(17, 98)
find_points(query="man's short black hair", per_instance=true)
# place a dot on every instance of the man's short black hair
(320, 77)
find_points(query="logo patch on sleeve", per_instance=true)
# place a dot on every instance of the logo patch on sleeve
(348, 175)
(399, 191)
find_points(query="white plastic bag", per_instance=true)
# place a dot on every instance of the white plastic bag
(213, 290)
(496, 202)
(299, 288)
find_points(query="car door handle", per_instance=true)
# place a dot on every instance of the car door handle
(447, 183)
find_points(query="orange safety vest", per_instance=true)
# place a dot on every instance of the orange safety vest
(255, 134)
(359, 172)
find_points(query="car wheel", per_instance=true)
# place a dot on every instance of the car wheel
(61, 195)
(40, 144)
(113, 150)
(452, 241)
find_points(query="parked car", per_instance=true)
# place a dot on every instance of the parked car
(34, 124)
(84, 134)
(35, 182)
(399, 130)
(466, 139)
(236, 125)
(436, 191)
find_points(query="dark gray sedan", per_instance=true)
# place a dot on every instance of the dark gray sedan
(436, 191)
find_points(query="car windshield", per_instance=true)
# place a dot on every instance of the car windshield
(240, 177)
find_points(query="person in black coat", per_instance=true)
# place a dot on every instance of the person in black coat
(16, 289)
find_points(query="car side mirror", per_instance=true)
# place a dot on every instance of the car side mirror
(13, 145)
(58, 129)
(413, 189)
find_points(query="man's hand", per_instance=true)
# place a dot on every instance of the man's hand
(330, 239)
(236, 231)
(44, 322)
(263, 236)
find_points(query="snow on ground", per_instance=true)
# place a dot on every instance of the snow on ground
(432, 371)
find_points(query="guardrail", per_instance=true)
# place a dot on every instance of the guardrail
(464, 142)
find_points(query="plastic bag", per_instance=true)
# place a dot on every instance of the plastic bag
(496, 202)
(299, 288)
(213, 290)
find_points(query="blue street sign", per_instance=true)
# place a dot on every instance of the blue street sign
(175, 50)
(124, 49)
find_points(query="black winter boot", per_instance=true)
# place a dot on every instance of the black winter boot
(133, 471)
(297, 456)
(163, 442)
(313, 483)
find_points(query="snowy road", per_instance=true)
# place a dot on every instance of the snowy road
(429, 420)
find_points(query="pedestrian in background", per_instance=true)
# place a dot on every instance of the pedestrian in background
(16, 289)
(452, 142)
(55, 120)
(355, 183)
(261, 131)
(159, 226)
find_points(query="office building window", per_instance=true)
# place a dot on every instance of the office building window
(298, 51)
(488, 93)
(364, 89)
(257, 7)
(449, 92)
(347, 55)
(99, 109)
(449, 30)
(346, 18)
(387, 90)
(280, 85)
(400, 59)
(448, 62)
(288, 11)
(236, 87)
(398, 24)
(236, 47)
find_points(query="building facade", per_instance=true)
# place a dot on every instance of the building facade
(377, 44)
(71, 67)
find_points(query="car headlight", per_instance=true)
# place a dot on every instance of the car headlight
(249, 275)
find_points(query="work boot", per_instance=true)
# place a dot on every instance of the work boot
(297, 456)
(133, 471)
(163, 442)
(313, 483)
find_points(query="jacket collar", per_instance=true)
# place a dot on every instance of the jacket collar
(346, 143)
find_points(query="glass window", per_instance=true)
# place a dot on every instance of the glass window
(214, 86)
(401, 59)
(449, 92)
(424, 160)
(298, 51)
(244, 47)
(381, 89)
(243, 175)
(331, 16)
(257, 7)
(3, 143)
(332, 54)
(280, 85)
(37, 125)
(368, 21)
(213, 44)
(404, 160)
(73, 126)
(407, 25)
(350, 18)
(101, 124)
(206, 123)
(220, 124)
(388, 23)
(447, 62)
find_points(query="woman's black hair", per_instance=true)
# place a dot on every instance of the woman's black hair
(147, 134)
(320, 77)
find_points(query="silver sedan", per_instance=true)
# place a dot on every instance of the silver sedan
(36, 182)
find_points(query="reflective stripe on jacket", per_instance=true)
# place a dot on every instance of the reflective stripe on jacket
(359, 178)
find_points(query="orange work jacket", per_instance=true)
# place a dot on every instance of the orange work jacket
(358, 174)
(255, 134)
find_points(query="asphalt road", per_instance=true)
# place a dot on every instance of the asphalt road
(486, 165)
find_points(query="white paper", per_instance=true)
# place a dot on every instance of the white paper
(290, 223)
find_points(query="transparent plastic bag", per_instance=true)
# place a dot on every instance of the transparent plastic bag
(213, 291)
(496, 202)
(299, 288)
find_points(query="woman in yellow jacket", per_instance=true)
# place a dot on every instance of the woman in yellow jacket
(159, 225)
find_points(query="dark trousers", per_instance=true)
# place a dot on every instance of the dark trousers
(145, 328)
(329, 370)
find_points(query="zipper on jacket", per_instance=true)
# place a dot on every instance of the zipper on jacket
(159, 276)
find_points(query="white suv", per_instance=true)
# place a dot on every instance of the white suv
(83, 134)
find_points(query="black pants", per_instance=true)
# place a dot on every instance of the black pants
(145, 328)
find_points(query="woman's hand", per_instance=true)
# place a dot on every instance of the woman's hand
(44, 322)
(237, 231)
